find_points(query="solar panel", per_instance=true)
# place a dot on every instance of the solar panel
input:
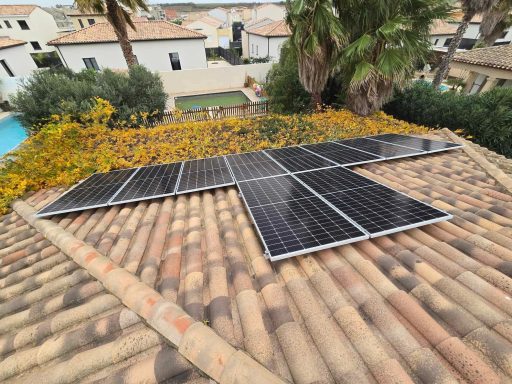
(385, 150)
(149, 182)
(94, 192)
(334, 179)
(273, 190)
(296, 159)
(380, 210)
(203, 174)
(253, 165)
(416, 142)
(342, 155)
(301, 226)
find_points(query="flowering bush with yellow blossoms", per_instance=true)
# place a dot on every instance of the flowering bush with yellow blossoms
(64, 151)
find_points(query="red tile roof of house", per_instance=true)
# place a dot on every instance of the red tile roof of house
(170, 13)
(440, 27)
(495, 57)
(18, 10)
(275, 29)
(167, 289)
(8, 43)
(146, 30)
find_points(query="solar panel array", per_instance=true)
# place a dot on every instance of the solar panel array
(301, 198)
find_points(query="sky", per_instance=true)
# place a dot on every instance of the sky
(50, 3)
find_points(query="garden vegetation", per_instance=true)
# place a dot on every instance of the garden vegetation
(486, 117)
(67, 150)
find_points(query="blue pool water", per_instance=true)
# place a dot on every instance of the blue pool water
(11, 134)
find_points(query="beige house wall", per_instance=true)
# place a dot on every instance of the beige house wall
(471, 72)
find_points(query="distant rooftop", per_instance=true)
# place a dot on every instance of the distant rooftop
(495, 57)
(8, 43)
(145, 30)
(213, 21)
(18, 10)
(440, 27)
(275, 29)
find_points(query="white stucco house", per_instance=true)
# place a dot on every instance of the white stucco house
(245, 36)
(158, 45)
(14, 59)
(441, 33)
(220, 14)
(272, 11)
(267, 40)
(216, 34)
(28, 23)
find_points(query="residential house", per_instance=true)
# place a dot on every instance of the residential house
(245, 36)
(217, 35)
(158, 45)
(220, 14)
(85, 19)
(15, 61)
(267, 40)
(28, 23)
(484, 68)
(154, 12)
(269, 10)
(170, 14)
(441, 33)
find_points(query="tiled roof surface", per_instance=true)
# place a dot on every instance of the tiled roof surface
(429, 305)
(146, 30)
(18, 10)
(440, 27)
(208, 20)
(496, 57)
(7, 43)
(275, 29)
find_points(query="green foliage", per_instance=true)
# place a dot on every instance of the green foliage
(285, 91)
(487, 117)
(61, 91)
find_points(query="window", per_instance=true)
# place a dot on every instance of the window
(7, 68)
(257, 46)
(90, 63)
(175, 61)
(81, 23)
(23, 25)
(435, 42)
(504, 34)
(447, 42)
(91, 21)
(7, 24)
(252, 48)
(35, 45)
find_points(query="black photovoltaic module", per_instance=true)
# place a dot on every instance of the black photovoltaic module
(149, 182)
(94, 192)
(379, 148)
(253, 165)
(342, 155)
(201, 174)
(426, 145)
(297, 159)
(333, 180)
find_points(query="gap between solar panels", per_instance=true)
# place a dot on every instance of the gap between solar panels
(300, 198)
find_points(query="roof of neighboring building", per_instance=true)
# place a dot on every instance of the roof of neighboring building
(146, 30)
(269, 5)
(441, 27)
(18, 10)
(170, 13)
(275, 29)
(214, 22)
(8, 43)
(250, 24)
(166, 289)
(495, 57)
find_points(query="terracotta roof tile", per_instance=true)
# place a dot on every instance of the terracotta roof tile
(8, 43)
(145, 30)
(495, 57)
(275, 29)
(440, 27)
(17, 10)
(425, 305)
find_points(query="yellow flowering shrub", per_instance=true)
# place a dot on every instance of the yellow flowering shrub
(64, 152)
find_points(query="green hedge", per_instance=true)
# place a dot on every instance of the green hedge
(487, 117)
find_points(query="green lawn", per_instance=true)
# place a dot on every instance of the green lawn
(211, 100)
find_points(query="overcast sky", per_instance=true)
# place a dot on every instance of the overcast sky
(49, 3)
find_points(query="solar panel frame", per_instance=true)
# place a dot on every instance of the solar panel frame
(80, 186)
(414, 138)
(397, 147)
(204, 188)
(335, 154)
(241, 166)
(113, 200)
(296, 159)
(322, 180)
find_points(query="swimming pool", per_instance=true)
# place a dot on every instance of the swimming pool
(211, 100)
(11, 134)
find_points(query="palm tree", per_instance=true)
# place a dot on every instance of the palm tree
(317, 37)
(119, 18)
(469, 8)
(494, 22)
(388, 40)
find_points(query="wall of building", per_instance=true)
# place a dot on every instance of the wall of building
(18, 60)
(271, 11)
(152, 54)
(212, 79)
(206, 29)
(260, 46)
(85, 20)
(439, 40)
(219, 14)
(43, 28)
